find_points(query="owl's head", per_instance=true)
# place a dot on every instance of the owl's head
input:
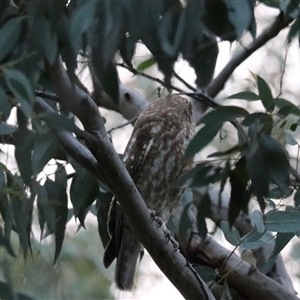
(171, 108)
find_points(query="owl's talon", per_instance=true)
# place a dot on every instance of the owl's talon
(152, 215)
(158, 220)
(171, 239)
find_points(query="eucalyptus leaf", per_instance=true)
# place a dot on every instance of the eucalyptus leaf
(9, 34)
(249, 96)
(231, 233)
(282, 221)
(21, 88)
(265, 94)
(7, 129)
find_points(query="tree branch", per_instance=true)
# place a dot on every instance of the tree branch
(219, 212)
(130, 103)
(73, 147)
(113, 170)
(240, 275)
(217, 84)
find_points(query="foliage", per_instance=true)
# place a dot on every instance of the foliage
(33, 34)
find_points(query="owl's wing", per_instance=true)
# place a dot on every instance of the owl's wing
(138, 149)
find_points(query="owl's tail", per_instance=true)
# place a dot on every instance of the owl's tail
(128, 255)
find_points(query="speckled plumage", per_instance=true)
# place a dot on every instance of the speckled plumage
(153, 158)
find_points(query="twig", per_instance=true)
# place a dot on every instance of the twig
(184, 82)
(197, 96)
(122, 125)
(46, 95)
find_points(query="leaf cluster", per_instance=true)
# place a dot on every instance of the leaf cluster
(256, 167)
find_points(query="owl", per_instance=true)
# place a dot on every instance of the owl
(153, 158)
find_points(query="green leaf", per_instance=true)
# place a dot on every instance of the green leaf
(206, 273)
(81, 21)
(61, 209)
(5, 106)
(276, 193)
(282, 221)
(218, 21)
(45, 38)
(255, 240)
(297, 198)
(201, 139)
(282, 239)
(108, 78)
(6, 292)
(61, 121)
(290, 140)
(286, 107)
(277, 162)
(241, 15)
(170, 30)
(21, 88)
(203, 58)
(23, 147)
(272, 3)
(263, 118)
(7, 129)
(203, 176)
(146, 64)
(249, 96)
(46, 212)
(265, 94)
(9, 35)
(290, 8)
(231, 233)
(223, 114)
(273, 164)
(203, 212)
(257, 221)
(57, 198)
(83, 190)
(293, 31)
(45, 148)
(240, 194)
(184, 225)
(21, 215)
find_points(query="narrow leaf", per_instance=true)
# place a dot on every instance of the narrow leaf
(20, 86)
(202, 139)
(265, 94)
(249, 96)
(7, 129)
(224, 114)
(146, 64)
(9, 35)
(231, 234)
(257, 221)
(45, 148)
(203, 212)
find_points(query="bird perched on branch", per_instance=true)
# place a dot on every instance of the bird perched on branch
(153, 158)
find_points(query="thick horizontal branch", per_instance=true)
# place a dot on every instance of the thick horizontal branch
(130, 103)
(171, 262)
(240, 275)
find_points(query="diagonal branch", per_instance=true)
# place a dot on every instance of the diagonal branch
(171, 262)
(217, 84)
(73, 147)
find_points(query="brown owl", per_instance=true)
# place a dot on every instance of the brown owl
(153, 158)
